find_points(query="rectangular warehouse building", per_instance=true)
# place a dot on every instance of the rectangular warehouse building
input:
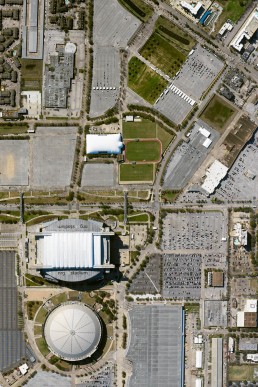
(217, 363)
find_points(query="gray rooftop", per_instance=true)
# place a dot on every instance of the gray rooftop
(12, 345)
(157, 346)
(74, 225)
(58, 76)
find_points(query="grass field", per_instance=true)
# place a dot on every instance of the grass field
(13, 129)
(241, 373)
(31, 74)
(178, 37)
(138, 8)
(42, 346)
(145, 81)
(137, 172)
(163, 54)
(147, 129)
(138, 218)
(165, 138)
(143, 150)
(143, 129)
(233, 10)
(218, 113)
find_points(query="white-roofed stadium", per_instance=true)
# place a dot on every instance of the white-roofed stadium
(73, 331)
(73, 250)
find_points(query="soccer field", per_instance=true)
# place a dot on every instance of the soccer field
(143, 150)
(136, 173)
(143, 129)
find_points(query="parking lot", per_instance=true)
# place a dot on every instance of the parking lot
(188, 157)
(213, 261)
(182, 276)
(14, 162)
(104, 378)
(106, 79)
(48, 379)
(242, 180)
(12, 344)
(196, 231)
(156, 345)
(112, 28)
(147, 281)
(198, 72)
(53, 150)
(173, 107)
(98, 175)
(215, 313)
(113, 24)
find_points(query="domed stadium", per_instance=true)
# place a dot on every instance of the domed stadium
(73, 331)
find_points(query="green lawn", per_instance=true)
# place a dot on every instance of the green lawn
(42, 346)
(170, 195)
(218, 113)
(13, 129)
(138, 8)
(241, 373)
(31, 74)
(142, 150)
(137, 172)
(145, 81)
(178, 37)
(138, 218)
(143, 129)
(233, 10)
(41, 316)
(162, 53)
(165, 137)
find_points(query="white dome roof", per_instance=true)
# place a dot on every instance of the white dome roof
(70, 48)
(73, 331)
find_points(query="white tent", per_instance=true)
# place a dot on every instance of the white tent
(108, 143)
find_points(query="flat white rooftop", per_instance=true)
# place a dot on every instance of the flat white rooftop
(214, 174)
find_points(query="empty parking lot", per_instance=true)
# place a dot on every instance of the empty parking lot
(195, 231)
(157, 346)
(106, 79)
(113, 24)
(14, 162)
(188, 157)
(112, 28)
(98, 175)
(215, 313)
(173, 107)
(53, 150)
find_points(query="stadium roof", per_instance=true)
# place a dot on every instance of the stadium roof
(73, 331)
(73, 244)
(214, 175)
(109, 143)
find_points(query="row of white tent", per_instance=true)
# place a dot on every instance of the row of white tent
(181, 94)
(103, 88)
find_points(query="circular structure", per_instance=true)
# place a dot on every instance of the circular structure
(73, 331)
(70, 48)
